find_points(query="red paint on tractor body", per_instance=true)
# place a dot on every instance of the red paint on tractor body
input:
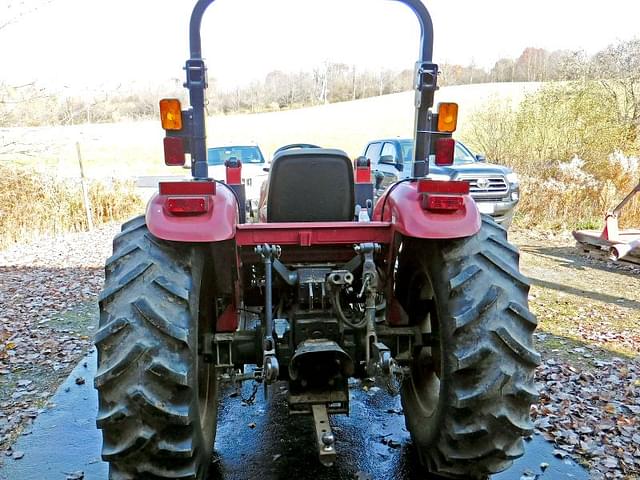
(310, 234)
(234, 174)
(216, 224)
(397, 315)
(446, 187)
(228, 321)
(187, 188)
(402, 205)
(403, 214)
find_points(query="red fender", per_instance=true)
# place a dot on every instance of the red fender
(217, 224)
(403, 209)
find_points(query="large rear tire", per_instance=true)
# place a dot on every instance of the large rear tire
(157, 399)
(467, 401)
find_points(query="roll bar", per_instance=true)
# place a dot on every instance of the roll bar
(425, 85)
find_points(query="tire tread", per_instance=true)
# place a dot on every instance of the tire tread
(145, 349)
(491, 358)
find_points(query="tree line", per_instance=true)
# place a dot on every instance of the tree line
(329, 82)
(326, 83)
(338, 82)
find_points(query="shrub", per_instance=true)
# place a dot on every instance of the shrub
(571, 150)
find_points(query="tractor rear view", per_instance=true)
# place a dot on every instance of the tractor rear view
(416, 290)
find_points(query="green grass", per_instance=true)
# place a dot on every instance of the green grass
(572, 351)
(81, 321)
(561, 314)
(592, 224)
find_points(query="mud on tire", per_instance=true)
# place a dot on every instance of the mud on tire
(157, 401)
(467, 402)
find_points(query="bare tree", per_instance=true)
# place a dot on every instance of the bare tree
(503, 70)
(321, 79)
(11, 96)
(14, 10)
(617, 68)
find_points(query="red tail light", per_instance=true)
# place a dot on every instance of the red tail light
(445, 151)
(187, 205)
(187, 198)
(442, 203)
(443, 196)
(174, 151)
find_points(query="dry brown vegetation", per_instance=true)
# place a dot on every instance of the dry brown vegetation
(573, 148)
(33, 205)
(575, 143)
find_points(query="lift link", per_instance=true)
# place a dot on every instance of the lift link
(386, 369)
(270, 367)
(379, 362)
(369, 291)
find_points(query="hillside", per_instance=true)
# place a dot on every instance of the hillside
(135, 148)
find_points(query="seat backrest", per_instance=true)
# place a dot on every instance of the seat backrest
(311, 185)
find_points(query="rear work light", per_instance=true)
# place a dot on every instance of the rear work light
(445, 151)
(187, 198)
(443, 196)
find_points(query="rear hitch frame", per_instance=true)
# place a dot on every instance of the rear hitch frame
(325, 438)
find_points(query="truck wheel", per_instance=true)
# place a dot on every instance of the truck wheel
(467, 400)
(157, 399)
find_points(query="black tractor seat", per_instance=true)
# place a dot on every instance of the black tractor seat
(311, 185)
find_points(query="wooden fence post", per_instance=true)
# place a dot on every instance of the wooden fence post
(85, 190)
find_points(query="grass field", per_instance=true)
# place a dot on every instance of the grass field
(135, 148)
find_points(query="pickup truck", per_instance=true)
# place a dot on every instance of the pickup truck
(495, 188)
(253, 166)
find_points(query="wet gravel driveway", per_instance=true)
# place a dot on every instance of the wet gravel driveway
(255, 442)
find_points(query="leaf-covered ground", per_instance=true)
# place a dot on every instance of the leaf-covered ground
(589, 334)
(47, 318)
(588, 311)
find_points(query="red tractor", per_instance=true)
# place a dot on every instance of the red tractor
(416, 290)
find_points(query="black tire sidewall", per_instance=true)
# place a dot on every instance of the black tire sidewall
(207, 433)
(426, 429)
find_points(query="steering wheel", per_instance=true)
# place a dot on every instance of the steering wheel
(295, 145)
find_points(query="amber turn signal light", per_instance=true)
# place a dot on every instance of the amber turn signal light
(171, 114)
(447, 117)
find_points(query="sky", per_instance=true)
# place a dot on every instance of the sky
(90, 44)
